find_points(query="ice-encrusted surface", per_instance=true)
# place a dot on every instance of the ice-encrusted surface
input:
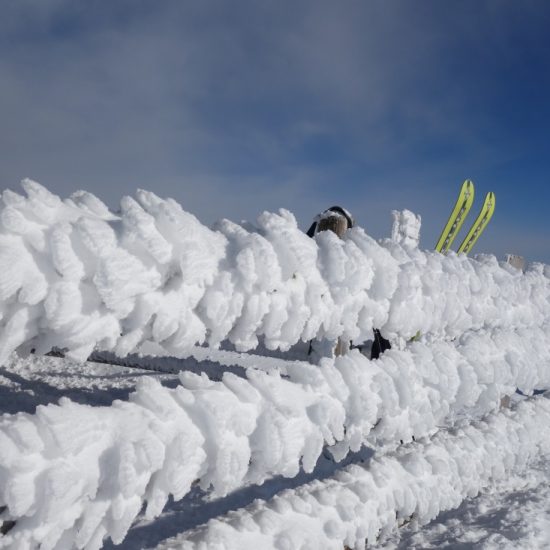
(81, 473)
(76, 276)
(365, 502)
(153, 279)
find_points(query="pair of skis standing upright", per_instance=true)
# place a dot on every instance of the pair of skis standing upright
(458, 215)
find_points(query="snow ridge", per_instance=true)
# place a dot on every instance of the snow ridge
(152, 277)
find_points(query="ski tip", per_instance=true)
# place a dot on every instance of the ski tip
(467, 190)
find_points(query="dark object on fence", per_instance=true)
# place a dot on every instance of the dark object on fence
(379, 346)
(6, 525)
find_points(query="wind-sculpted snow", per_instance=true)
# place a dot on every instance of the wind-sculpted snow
(72, 474)
(76, 276)
(362, 503)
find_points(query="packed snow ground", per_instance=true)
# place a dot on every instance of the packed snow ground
(219, 423)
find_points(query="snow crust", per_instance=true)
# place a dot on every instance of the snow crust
(76, 276)
(362, 503)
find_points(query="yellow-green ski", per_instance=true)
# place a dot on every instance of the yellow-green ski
(456, 219)
(487, 211)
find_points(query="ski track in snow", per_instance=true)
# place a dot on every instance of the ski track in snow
(213, 362)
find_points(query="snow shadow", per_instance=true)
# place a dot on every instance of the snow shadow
(24, 395)
(169, 365)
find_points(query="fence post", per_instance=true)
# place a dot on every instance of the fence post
(337, 224)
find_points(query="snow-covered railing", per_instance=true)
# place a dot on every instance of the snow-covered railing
(365, 502)
(76, 276)
(78, 473)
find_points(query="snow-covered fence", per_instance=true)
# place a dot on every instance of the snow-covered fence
(365, 502)
(76, 276)
(77, 473)
(152, 278)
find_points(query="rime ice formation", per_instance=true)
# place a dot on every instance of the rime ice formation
(406, 228)
(76, 276)
(363, 502)
(80, 473)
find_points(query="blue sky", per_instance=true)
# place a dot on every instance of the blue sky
(237, 107)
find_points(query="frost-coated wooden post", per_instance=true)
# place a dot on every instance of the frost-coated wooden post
(336, 224)
(516, 261)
